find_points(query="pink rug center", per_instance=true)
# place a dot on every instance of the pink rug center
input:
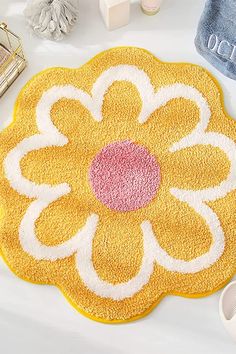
(124, 176)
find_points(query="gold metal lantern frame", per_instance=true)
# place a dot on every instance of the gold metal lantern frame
(12, 59)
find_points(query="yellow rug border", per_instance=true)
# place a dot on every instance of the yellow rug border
(154, 305)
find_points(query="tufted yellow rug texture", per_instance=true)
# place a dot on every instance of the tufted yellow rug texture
(118, 184)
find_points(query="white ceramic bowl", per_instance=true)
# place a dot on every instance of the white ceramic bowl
(227, 308)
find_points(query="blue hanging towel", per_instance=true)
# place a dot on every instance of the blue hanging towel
(216, 35)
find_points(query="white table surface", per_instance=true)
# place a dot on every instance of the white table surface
(37, 319)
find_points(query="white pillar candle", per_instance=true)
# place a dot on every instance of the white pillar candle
(115, 13)
(150, 7)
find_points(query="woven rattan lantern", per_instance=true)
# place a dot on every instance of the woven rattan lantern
(12, 60)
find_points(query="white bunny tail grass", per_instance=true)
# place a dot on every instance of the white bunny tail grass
(52, 19)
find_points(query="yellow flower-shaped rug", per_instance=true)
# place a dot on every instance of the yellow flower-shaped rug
(118, 184)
